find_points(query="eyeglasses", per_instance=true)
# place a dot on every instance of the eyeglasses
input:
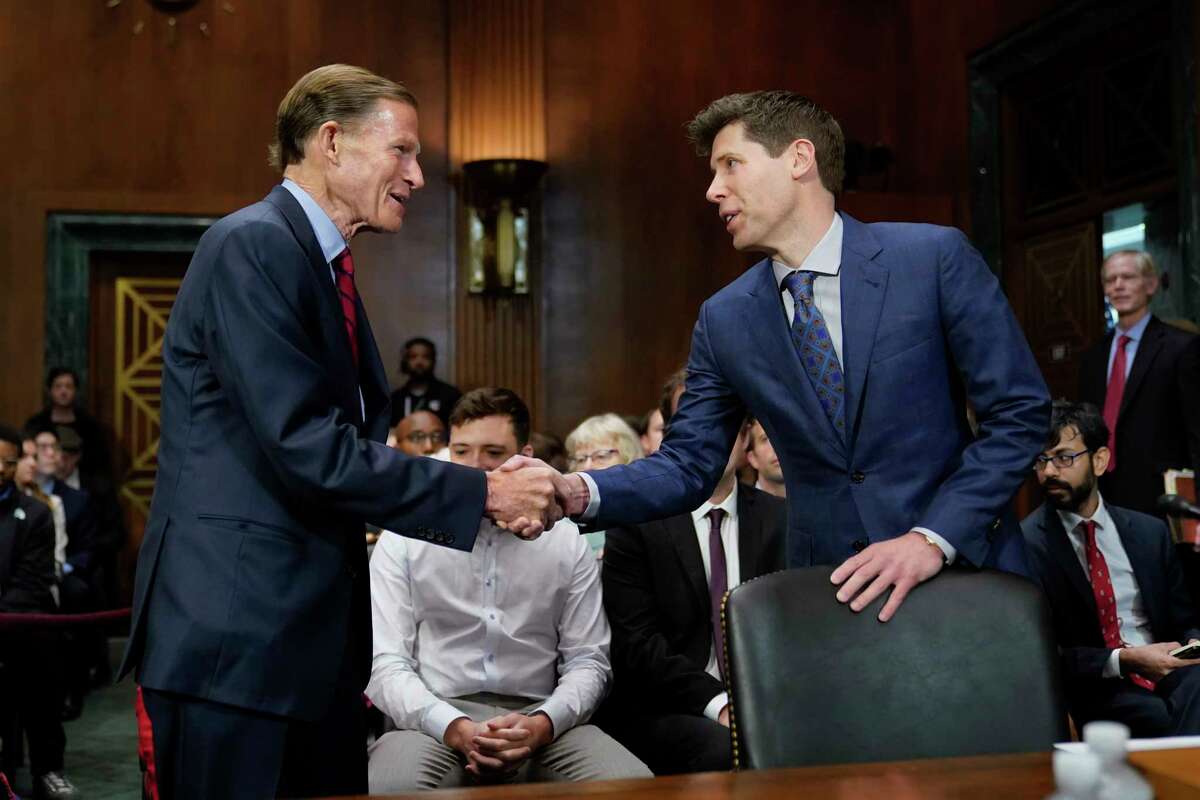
(598, 457)
(420, 437)
(1061, 460)
(9, 463)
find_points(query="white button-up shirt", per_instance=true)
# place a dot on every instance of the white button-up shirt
(1131, 611)
(517, 618)
(733, 574)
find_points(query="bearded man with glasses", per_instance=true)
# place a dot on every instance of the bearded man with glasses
(1120, 608)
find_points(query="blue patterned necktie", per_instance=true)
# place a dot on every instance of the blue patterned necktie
(811, 337)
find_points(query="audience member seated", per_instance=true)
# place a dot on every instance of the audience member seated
(1145, 376)
(653, 431)
(549, 448)
(62, 408)
(30, 679)
(421, 433)
(663, 586)
(490, 664)
(78, 590)
(422, 392)
(1115, 589)
(762, 457)
(26, 479)
(600, 442)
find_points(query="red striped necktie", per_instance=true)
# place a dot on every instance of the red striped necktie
(343, 270)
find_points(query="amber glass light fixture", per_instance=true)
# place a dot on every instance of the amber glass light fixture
(500, 200)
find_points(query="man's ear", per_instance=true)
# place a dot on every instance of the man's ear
(327, 140)
(526, 451)
(1100, 460)
(804, 158)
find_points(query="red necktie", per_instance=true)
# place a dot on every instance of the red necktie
(1106, 598)
(343, 269)
(718, 582)
(1112, 399)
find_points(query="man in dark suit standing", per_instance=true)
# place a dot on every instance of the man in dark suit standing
(1145, 375)
(857, 347)
(1115, 589)
(423, 391)
(663, 586)
(251, 626)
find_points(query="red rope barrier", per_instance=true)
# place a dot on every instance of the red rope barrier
(10, 621)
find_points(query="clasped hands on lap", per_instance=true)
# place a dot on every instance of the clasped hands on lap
(496, 748)
(527, 496)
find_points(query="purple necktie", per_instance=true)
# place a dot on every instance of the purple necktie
(718, 582)
(812, 341)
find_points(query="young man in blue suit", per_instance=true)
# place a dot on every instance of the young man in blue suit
(251, 627)
(1115, 589)
(857, 347)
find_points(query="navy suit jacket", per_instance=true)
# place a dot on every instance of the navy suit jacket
(251, 587)
(81, 528)
(925, 328)
(1073, 605)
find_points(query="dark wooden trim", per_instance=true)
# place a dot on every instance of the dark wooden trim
(70, 240)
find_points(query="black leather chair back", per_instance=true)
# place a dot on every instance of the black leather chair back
(967, 666)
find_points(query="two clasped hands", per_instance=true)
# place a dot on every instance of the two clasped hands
(527, 496)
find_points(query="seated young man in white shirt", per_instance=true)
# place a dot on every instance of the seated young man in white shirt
(490, 664)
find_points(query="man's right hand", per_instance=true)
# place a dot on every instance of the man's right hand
(524, 500)
(1153, 661)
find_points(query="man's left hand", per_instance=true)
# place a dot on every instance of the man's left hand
(901, 563)
(508, 742)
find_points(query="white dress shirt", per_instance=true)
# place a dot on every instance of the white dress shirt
(1131, 611)
(1135, 334)
(733, 574)
(512, 617)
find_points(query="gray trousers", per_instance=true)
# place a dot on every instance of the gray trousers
(405, 761)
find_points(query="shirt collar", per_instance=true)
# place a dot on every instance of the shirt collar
(1137, 330)
(328, 236)
(45, 483)
(1071, 520)
(825, 258)
(728, 505)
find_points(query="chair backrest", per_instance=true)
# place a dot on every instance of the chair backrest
(967, 666)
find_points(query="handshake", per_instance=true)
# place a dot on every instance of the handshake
(527, 496)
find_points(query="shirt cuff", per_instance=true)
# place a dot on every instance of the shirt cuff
(715, 706)
(946, 548)
(1112, 667)
(437, 718)
(593, 506)
(560, 718)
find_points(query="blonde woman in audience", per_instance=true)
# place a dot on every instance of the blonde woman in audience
(599, 442)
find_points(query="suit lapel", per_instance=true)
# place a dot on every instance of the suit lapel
(332, 319)
(1060, 547)
(372, 376)
(749, 535)
(863, 286)
(1152, 342)
(682, 533)
(764, 316)
(1148, 578)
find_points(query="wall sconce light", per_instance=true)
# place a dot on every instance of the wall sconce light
(499, 199)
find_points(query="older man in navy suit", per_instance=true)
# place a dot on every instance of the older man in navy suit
(857, 347)
(1115, 589)
(251, 626)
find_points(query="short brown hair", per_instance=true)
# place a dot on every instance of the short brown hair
(666, 396)
(775, 119)
(334, 92)
(493, 402)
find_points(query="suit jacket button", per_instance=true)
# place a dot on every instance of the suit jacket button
(857, 477)
(859, 545)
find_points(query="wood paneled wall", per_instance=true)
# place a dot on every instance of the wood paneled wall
(103, 119)
(497, 110)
